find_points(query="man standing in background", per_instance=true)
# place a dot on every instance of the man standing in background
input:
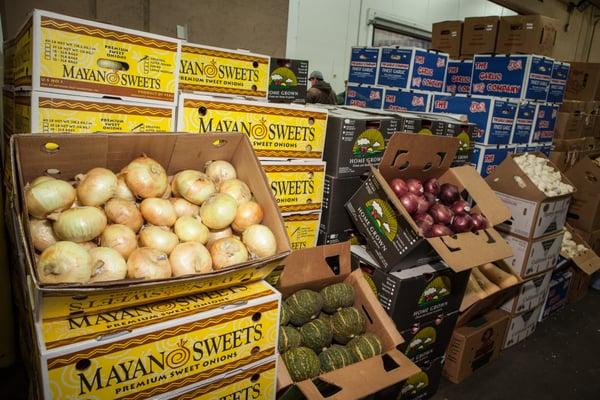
(320, 91)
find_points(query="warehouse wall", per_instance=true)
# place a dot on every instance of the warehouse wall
(211, 22)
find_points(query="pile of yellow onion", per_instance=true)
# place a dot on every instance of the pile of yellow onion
(143, 224)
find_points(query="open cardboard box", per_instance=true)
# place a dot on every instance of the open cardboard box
(588, 262)
(531, 294)
(400, 245)
(533, 213)
(79, 153)
(324, 265)
(584, 213)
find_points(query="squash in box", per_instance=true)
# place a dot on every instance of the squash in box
(348, 323)
(337, 296)
(316, 335)
(365, 346)
(303, 306)
(289, 338)
(335, 357)
(302, 363)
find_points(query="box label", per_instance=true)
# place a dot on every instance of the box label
(524, 123)
(302, 229)
(539, 78)
(499, 76)
(22, 114)
(23, 55)
(398, 100)
(428, 71)
(287, 80)
(545, 123)
(486, 159)
(220, 71)
(558, 83)
(363, 65)
(296, 187)
(394, 67)
(366, 97)
(531, 294)
(458, 77)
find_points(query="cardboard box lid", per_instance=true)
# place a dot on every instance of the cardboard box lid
(482, 20)
(588, 262)
(585, 174)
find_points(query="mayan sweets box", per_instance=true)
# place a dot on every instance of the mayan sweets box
(302, 229)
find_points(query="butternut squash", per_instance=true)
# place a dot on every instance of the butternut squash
(498, 275)
(488, 287)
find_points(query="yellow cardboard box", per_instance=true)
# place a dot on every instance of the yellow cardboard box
(216, 70)
(69, 55)
(41, 112)
(186, 345)
(302, 229)
(8, 111)
(275, 130)
(9, 49)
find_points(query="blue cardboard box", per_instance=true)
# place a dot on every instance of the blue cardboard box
(363, 65)
(558, 82)
(485, 159)
(458, 77)
(513, 76)
(412, 68)
(494, 118)
(558, 293)
(364, 96)
(523, 127)
(404, 100)
(545, 122)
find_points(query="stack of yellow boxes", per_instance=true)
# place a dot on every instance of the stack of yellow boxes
(226, 91)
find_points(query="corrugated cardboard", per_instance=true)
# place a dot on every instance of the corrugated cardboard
(321, 266)
(532, 293)
(475, 344)
(78, 153)
(9, 48)
(528, 34)
(580, 283)
(569, 125)
(412, 68)
(588, 262)
(558, 83)
(302, 229)
(458, 77)
(583, 82)
(584, 212)
(573, 106)
(408, 100)
(521, 326)
(533, 256)
(446, 36)
(365, 96)
(533, 214)
(479, 35)
(420, 386)
(558, 293)
(363, 65)
(335, 221)
(592, 238)
(486, 158)
(424, 156)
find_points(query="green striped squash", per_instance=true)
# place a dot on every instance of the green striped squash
(302, 363)
(337, 296)
(365, 346)
(284, 318)
(348, 323)
(303, 306)
(316, 335)
(326, 318)
(335, 357)
(289, 337)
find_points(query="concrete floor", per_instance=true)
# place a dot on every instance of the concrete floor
(561, 360)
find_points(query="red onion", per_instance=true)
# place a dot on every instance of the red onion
(430, 198)
(462, 223)
(414, 186)
(460, 206)
(432, 185)
(424, 222)
(449, 193)
(410, 202)
(399, 186)
(422, 205)
(439, 230)
(479, 222)
(441, 214)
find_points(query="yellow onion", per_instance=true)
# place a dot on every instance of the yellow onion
(145, 177)
(167, 194)
(64, 262)
(42, 234)
(88, 245)
(120, 238)
(184, 208)
(220, 170)
(173, 185)
(190, 258)
(194, 186)
(218, 211)
(107, 265)
(159, 238)
(191, 229)
(40, 179)
(158, 211)
(147, 263)
(48, 196)
(236, 189)
(80, 224)
(248, 213)
(122, 191)
(259, 241)
(96, 187)
(214, 235)
(228, 251)
(125, 212)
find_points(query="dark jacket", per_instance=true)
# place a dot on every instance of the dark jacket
(321, 93)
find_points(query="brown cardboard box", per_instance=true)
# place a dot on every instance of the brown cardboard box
(588, 262)
(567, 152)
(569, 125)
(479, 35)
(571, 106)
(533, 213)
(446, 36)
(475, 344)
(589, 125)
(584, 213)
(580, 283)
(533, 256)
(529, 34)
(75, 154)
(324, 265)
(571, 145)
(531, 294)
(592, 238)
(521, 326)
(583, 81)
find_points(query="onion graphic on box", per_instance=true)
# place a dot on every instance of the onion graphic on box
(369, 143)
(435, 291)
(423, 340)
(382, 216)
(414, 384)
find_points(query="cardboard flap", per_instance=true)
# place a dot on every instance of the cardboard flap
(417, 156)
(585, 174)
(314, 264)
(504, 179)
(588, 262)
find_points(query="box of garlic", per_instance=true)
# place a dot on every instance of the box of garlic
(576, 250)
(151, 217)
(535, 191)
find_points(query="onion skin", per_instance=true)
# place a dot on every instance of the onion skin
(218, 211)
(96, 187)
(462, 223)
(260, 241)
(120, 238)
(107, 265)
(147, 263)
(399, 187)
(159, 238)
(441, 214)
(439, 230)
(220, 171)
(430, 198)
(432, 185)
(228, 251)
(479, 222)
(64, 262)
(248, 213)
(48, 196)
(424, 222)
(80, 224)
(194, 186)
(125, 212)
(88, 245)
(214, 235)
(184, 208)
(236, 189)
(145, 178)
(122, 191)
(422, 205)
(414, 186)
(42, 234)
(158, 212)
(449, 193)
(410, 202)
(190, 258)
(191, 229)
(460, 206)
